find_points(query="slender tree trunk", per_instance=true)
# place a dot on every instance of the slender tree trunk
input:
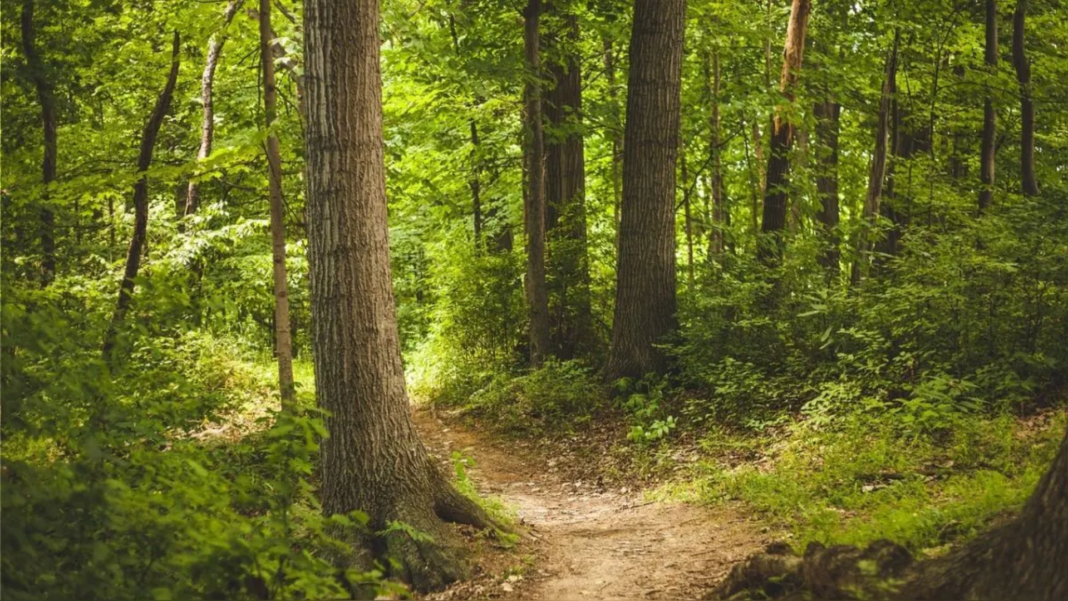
(716, 239)
(568, 265)
(828, 119)
(688, 225)
(617, 136)
(46, 97)
(877, 174)
(1027, 104)
(986, 160)
(534, 215)
(373, 460)
(140, 201)
(1023, 559)
(474, 181)
(645, 279)
(776, 193)
(283, 341)
(207, 120)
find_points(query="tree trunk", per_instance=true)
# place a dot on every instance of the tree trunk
(645, 278)
(986, 160)
(877, 174)
(688, 217)
(776, 193)
(828, 119)
(474, 181)
(46, 97)
(1024, 559)
(617, 136)
(140, 201)
(373, 460)
(569, 272)
(716, 238)
(1027, 104)
(282, 339)
(207, 120)
(534, 213)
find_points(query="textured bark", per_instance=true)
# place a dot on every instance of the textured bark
(207, 120)
(645, 279)
(719, 213)
(877, 173)
(534, 205)
(990, 126)
(1024, 559)
(571, 331)
(46, 97)
(140, 201)
(283, 342)
(373, 460)
(828, 114)
(1027, 104)
(776, 194)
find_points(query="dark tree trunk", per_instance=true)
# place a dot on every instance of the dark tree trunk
(140, 201)
(207, 120)
(877, 173)
(776, 193)
(46, 97)
(569, 272)
(645, 279)
(1027, 104)
(1024, 559)
(990, 126)
(282, 337)
(373, 460)
(534, 205)
(828, 113)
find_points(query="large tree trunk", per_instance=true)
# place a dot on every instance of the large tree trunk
(46, 97)
(1024, 559)
(1027, 104)
(877, 173)
(534, 205)
(986, 159)
(140, 201)
(776, 194)
(207, 120)
(645, 279)
(828, 113)
(282, 339)
(569, 273)
(373, 460)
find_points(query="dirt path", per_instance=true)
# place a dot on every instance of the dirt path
(592, 543)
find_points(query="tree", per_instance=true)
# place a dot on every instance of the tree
(645, 278)
(46, 98)
(534, 205)
(828, 120)
(720, 215)
(207, 121)
(990, 124)
(283, 345)
(140, 200)
(565, 198)
(776, 194)
(1027, 104)
(373, 460)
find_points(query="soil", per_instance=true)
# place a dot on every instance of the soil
(581, 540)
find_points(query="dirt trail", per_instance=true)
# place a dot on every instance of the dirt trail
(593, 543)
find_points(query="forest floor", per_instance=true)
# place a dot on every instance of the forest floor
(582, 540)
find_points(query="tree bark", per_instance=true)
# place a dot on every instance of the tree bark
(986, 159)
(645, 278)
(46, 97)
(1027, 103)
(534, 213)
(207, 120)
(373, 460)
(877, 173)
(716, 238)
(776, 194)
(571, 330)
(140, 201)
(828, 119)
(282, 338)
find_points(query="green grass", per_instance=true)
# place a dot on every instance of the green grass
(865, 481)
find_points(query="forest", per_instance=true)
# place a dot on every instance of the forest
(534, 299)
